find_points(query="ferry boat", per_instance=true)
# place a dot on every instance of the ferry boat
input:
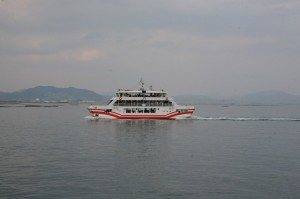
(141, 104)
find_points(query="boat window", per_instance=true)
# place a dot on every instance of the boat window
(142, 103)
(147, 103)
(134, 103)
(152, 110)
(109, 102)
(127, 103)
(119, 103)
(181, 110)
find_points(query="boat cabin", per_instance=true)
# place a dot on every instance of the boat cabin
(141, 93)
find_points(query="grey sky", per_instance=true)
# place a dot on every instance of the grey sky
(209, 47)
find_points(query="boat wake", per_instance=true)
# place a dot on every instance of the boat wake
(246, 119)
(221, 119)
(92, 117)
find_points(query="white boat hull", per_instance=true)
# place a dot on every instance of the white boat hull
(97, 112)
(141, 104)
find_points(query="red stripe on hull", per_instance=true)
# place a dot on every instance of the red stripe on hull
(119, 116)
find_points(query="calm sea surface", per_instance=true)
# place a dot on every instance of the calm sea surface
(225, 152)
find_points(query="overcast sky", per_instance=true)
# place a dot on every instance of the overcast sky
(206, 47)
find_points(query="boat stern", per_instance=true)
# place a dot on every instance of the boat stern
(184, 112)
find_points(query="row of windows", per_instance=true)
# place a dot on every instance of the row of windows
(140, 110)
(181, 110)
(143, 103)
(141, 94)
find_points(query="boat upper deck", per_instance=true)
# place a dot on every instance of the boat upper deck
(141, 93)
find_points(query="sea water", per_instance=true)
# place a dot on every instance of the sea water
(222, 152)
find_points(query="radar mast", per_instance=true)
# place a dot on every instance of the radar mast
(142, 84)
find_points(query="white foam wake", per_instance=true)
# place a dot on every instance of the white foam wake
(246, 119)
(89, 117)
(193, 117)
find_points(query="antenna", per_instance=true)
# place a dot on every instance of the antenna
(142, 83)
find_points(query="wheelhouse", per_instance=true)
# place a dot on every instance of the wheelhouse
(141, 93)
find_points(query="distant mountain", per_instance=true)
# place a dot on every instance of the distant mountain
(3, 94)
(195, 99)
(258, 98)
(50, 93)
(267, 97)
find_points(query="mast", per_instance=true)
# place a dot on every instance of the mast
(142, 84)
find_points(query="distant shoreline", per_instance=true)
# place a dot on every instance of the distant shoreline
(8, 105)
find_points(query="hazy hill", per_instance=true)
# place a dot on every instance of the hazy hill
(50, 93)
(267, 97)
(258, 98)
(195, 99)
